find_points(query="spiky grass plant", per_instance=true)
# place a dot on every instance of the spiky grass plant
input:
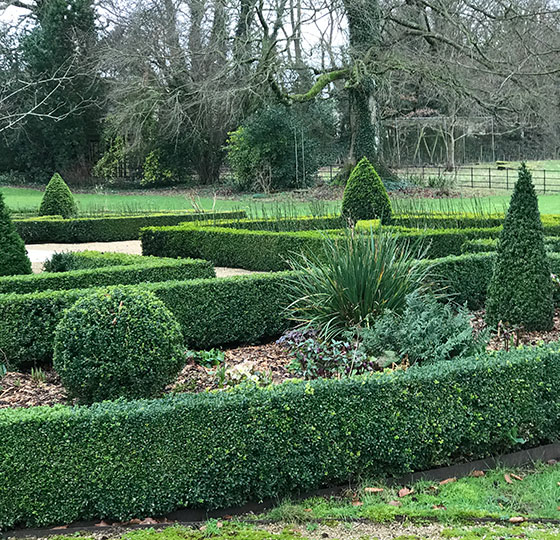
(353, 280)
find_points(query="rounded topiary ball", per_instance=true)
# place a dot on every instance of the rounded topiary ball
(119, 342)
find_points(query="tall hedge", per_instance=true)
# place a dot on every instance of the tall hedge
(521, 289)
(13, 256)
(118, 460)
(58, 199)
(365, 196)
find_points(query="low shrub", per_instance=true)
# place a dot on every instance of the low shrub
(365, 196)
(140, 270)
(13, 256)
(551, 244)
(117, 343)
(105, 229)
(66, 261)
(211, 312)
(119, 460)
(426, 331)
(58, 199)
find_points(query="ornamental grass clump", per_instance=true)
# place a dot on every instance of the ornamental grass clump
(365, 196)
(58, 199)
(353, 280)
(119, 342)
(13, 255)
(521, 288)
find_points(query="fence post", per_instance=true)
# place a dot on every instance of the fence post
(507, 178)
(472, 178)
(544, 181)
(489, 177)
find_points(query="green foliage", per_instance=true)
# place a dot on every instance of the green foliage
(211, 312)
(117, 343)
(520, 292)
(551, 244)
(109, 165)
(353, 281)
(365, 196)
(105, 229)
(155, 174)
(96, 274)
(58, 199)
(277, 148)
(426, 331)
(215, 450)
(13, 256)
(66, 261)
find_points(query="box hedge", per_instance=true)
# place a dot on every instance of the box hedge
(263, 250)
(551, 243)
(119, 460)
(104, 229)
(211, 312)
(144, 270)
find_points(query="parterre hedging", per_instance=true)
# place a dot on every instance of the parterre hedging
(105, 229)
(119, 460)
(81, 260)
(227, 244)
(137, 270)
(214, 312)
(552, 243)
(211, 312)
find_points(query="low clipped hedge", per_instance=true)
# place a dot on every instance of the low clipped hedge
(105, 229)
(226, 244)
(435, 220)
(119, 460)
(551, 243)
(143, 269)
(211, 312)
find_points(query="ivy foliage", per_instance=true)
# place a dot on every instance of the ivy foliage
(58, 199)
(521, 289)
(365, 196)
(117, 343)
(13, 256)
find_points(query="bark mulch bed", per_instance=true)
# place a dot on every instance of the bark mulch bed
(267, 360)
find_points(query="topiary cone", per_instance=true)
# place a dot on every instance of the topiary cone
(58, 199)
(13, 255)
(521, 289)
(365, 196)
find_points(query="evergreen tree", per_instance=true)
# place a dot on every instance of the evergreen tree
(58, 199)
(13, 256)
(365, 196)
(520, 292)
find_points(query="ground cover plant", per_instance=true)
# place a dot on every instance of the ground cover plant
(58, 199)
(521, 289)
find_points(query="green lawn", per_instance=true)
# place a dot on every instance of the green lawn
(498, 494)
(27, 199)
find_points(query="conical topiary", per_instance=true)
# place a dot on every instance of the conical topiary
(58, 199)
(13, 256)
(520, 291)
(365, 196)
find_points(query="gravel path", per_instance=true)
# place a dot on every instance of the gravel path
(39, 253)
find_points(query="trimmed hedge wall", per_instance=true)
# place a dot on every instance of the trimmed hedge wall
(211, 312)
(146, 270)
(119, 460)
(551, 243)
(105, 229)
(269, 250)
(551, 222)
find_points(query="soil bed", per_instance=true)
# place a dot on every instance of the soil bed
(269, 360)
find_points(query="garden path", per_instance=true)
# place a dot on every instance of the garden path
(39, 253)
